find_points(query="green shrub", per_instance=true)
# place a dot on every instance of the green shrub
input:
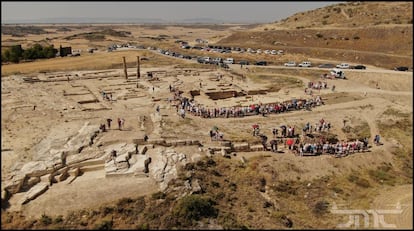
(46, 220)
(59, 219)
(337, 189)
(107, 210)
(124, 201)
(321, 207)
(158, 195)
(285, 186)
(229, 221)
(194, 207)
(104, 225)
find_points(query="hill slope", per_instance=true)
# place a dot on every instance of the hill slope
(372, 33)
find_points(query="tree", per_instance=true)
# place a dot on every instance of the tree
(5, 56)
(16, 52)
(37, 51)
(49, 52)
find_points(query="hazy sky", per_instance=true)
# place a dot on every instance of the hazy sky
(249, 12)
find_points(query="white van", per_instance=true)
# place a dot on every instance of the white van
(305, 64)
(337, 73)
(343, 66)
(228, 61)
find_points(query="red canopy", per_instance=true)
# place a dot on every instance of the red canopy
(289, 142)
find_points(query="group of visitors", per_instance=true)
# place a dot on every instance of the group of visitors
(315, 86)
(184, 104)
(121, 124)
(338, 149)
(320, 126)
(314, 146)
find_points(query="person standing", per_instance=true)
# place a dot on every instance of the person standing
(264, 140)
(119, 123)
(275, 131)
(377, 139)
(109, 120)
(273, 145)
(122, 123)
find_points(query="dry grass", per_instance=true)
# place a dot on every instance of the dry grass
(352, 14)
(96, 61)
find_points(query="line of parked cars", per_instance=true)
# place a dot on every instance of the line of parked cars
(343, 66)
(224, 62)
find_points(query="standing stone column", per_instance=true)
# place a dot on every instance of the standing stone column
(125, 68)
(138, 68)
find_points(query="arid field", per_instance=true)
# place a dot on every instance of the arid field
(58, 171)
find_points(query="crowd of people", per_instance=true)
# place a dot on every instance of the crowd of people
(184, 104)
(315, 86)
(303, 145)
(338, 149)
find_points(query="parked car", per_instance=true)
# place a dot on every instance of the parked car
(244, 62)
(402, 68)
(261, 63)
(228, 61)
(343, 66)
(290, 64)
(361, 67)
(326, 65)
(305, 64)
(200, 60)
